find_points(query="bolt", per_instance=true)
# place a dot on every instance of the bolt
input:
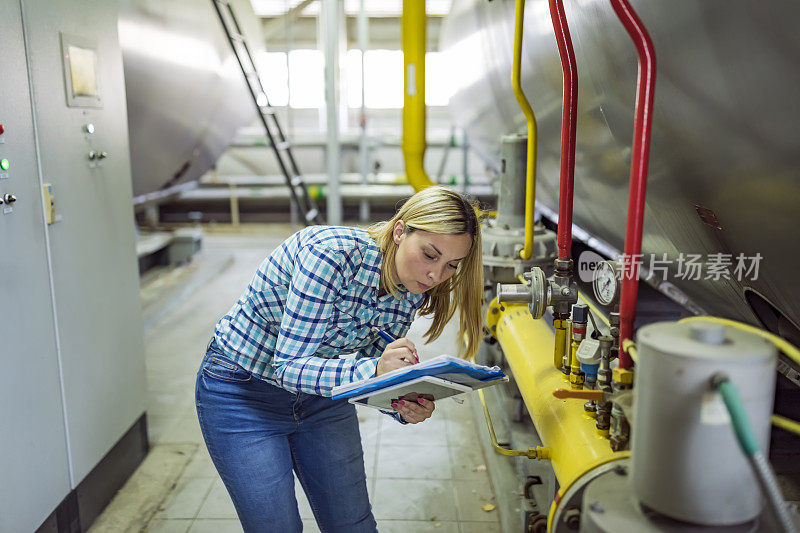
(620, 470)
(617, 443)
(495, 310)
(572, 518)
(494, 327)
(565, 291)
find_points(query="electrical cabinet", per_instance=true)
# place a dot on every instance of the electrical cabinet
(71, 345)
(34, 461)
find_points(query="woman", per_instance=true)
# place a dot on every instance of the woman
(263, 390)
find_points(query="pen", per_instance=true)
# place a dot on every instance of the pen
(389, 338)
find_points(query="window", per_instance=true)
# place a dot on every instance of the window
(274, 77)
(383, 84)
(306, 79)
(301, 83)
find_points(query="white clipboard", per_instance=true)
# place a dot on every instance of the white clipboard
(426, 385)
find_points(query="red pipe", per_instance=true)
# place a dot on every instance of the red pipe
(643, 123)
(568, 127)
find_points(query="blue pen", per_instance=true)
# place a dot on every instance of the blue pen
(388, 338)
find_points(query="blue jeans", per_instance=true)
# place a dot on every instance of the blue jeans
(257, 434)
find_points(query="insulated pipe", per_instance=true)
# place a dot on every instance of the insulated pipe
(562, 425)
(530, 166)
(413, 22)
(645, 91)
(569, 120)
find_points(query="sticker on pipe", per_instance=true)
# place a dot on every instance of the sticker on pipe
(713, 411)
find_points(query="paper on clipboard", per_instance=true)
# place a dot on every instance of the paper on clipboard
(444, 367)
(429, 387)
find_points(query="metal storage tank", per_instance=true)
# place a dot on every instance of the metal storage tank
(723, 162)
(186, 94)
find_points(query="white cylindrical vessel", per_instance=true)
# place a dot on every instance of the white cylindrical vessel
(687, 463)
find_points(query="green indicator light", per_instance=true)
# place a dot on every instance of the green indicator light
(4, 164)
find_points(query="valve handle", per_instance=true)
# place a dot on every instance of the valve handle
(566, 394)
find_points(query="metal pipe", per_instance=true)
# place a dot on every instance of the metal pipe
(530, 166)
(562, 425)
(569, 119)
(413, 22)
(531, 453)
(331, 14)
(642, 128)
(363, 38)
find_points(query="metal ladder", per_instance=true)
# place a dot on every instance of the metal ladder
(277, 140)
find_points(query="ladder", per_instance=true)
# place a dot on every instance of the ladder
(266, 113)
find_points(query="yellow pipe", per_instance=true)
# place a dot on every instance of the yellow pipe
(530, 167)
(562, 424)
(785, 423)
(790, 350)
(413, 24)
(564, 488)
(531, 453)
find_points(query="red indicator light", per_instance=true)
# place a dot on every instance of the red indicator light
(2, 129)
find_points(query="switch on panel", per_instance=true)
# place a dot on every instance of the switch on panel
(49, 204)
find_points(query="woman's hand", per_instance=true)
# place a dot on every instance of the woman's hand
(414, 412)
(398, 354)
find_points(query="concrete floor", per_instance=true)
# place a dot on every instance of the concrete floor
(427, 477)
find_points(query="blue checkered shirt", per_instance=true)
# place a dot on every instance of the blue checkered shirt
(314, 299)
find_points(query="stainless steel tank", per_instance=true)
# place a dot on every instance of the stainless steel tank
(186, 94)
(724, 156)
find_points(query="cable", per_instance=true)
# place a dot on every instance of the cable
(786, 424)
(749, 443)
(791, 351)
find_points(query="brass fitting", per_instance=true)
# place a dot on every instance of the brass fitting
(560, 326)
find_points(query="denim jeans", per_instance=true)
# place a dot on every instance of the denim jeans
(257, 434)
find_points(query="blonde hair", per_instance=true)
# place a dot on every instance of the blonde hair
(440, 210)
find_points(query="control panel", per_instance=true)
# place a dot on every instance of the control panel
(7, 198)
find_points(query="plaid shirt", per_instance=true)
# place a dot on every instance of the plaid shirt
(312, 300)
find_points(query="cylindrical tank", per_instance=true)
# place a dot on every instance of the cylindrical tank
(511, 196)
(723, 159)
(186, 94)
(687, 463)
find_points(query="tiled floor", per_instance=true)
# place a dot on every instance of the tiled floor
(426, 477)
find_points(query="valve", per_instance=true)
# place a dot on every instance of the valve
(604, 379)
(560, 292)
(580, 317)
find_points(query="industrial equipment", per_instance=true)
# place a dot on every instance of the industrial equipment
(659, 445)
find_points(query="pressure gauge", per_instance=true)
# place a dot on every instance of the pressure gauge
(607, 282)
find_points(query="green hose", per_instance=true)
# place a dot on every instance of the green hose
(744, 434)
(747, 440)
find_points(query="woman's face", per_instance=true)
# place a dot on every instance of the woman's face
(425, 259)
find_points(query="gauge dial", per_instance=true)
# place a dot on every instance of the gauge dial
(607, 282)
